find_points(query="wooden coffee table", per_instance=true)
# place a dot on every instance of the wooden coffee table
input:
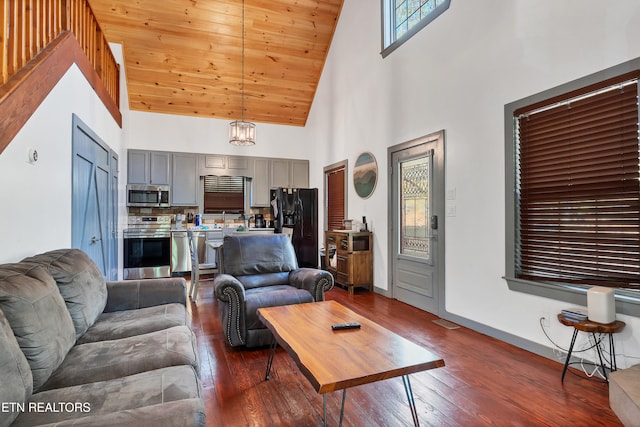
(336, 360)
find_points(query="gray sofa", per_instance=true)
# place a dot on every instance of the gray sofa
(261, 271)
(624, 395)
(76, 350)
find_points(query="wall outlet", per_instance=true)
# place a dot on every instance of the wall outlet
(546, 319)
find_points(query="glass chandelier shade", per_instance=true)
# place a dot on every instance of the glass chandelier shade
(242, 133)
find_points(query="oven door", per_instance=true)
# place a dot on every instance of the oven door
(147, 256)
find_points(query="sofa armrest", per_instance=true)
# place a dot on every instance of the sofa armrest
(313, 280)
(133, 294)
(230, 292)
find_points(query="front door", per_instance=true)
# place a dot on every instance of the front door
(94, 192)
(417, 216)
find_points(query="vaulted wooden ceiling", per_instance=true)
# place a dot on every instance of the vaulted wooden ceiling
(185, 56)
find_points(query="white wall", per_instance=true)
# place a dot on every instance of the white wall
(36, 198)
(457, 74)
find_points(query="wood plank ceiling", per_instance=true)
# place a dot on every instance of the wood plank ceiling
(185, 56)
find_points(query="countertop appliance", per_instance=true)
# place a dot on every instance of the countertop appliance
(151, 196)
(180, 257)
(297, 208)
(147, 247)
(213, 240)
(207, 241)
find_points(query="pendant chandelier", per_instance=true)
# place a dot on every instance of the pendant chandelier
(241, 132)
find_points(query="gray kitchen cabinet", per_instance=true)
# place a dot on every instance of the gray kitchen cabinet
(261, 182)
(148, 167)
(273, 173)
(289, 173)
(279, 173)
(214, 164)
(240, 166)
(299, 174)
(138, 167)
(160, 168)
(184, 180)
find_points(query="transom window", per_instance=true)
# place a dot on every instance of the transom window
(404, 18)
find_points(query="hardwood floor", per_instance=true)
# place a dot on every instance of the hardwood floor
(485, 382)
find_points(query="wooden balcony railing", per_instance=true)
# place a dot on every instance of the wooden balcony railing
(40, 40)
(28, 26)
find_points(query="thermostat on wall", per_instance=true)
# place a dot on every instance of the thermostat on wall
(33, 155)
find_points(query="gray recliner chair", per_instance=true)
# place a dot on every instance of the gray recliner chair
(261, 271)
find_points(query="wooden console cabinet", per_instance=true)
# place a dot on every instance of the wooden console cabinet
(352, 264)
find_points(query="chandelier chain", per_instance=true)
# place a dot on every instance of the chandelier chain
(242, 76)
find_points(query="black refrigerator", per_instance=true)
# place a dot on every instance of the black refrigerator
(297, 208)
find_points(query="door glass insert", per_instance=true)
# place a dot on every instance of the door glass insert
(415, 207)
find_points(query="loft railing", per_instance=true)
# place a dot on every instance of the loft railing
(28, 26)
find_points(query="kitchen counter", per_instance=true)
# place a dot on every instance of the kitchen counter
(226, 230)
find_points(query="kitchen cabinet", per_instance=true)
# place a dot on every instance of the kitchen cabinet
(289, 173)
(182, 172)
(214, 164)
(239, 165)
(299, 173)
(279, 173)
(148, 167)
(352, 265)
(273, 173)
(261, 182)
(184, 179)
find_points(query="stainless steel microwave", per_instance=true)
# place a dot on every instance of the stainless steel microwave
(152, 196)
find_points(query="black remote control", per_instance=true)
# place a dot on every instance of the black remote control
(341, 326)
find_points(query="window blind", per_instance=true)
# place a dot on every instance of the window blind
(335, 198)
(223, 193)
(578, 187)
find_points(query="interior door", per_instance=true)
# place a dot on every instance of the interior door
(94, 192)
(112, 271)
(417, 213)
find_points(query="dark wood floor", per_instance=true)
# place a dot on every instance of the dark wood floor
(485, 382)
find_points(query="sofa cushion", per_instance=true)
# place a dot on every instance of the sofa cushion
(38, 317)
(80, 282)
(248, 254)
(107, 360)
(262, 280)
(128, 323)
(270, 297)
(123, 401)
(17, 381)
(624, 394)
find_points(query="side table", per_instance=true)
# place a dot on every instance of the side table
(592, 328)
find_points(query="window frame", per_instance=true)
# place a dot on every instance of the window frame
(627, 300)
(388, 41)
(229, 196)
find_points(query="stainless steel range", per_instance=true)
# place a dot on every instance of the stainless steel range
(147, 247)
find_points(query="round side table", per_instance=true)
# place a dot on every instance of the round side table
(592, 328)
